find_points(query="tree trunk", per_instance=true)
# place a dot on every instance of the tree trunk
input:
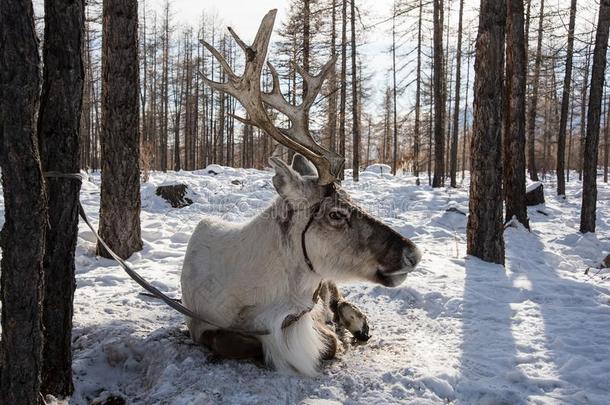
(165, 89)
(23, 235)
(485, 229)
(589, 180)
(332, 84)
(417, 129)
(120, 190)
(531, 140)
(439, 97)
(456, 112)
(355, 117)
(58, 129)
(571, 138)
(583, 111)
(514, 118)
(343, 96)
(565, 103)
(394, 113)
(306, 39)
(464, 130)
(606, 139)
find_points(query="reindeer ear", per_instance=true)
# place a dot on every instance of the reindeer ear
(287, 182)
(303, 166)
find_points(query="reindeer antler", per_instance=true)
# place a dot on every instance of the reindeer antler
(247, 90)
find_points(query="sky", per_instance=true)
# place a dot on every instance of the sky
(245, 16)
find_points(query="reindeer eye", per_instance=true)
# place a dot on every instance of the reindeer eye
(336, 215)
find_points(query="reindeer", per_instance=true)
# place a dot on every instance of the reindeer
(258, 284)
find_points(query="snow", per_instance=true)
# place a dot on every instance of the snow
(458, 330)
(378, 168)
(532, 186)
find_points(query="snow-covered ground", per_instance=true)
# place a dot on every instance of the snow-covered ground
(458, 330)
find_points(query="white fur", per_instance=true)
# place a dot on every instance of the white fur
(246, 276)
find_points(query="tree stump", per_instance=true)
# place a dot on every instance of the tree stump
(175, 194)
(534, 194)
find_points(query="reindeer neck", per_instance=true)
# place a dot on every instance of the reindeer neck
(278, 229)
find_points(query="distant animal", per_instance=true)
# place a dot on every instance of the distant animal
(264, 285)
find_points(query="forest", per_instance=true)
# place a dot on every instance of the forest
(180, 178)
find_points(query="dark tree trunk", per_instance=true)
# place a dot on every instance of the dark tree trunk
(355, 117)
(332, 84)
(565, 103)
(485, 229)
(418, 79)
(465, 123)
(531, 140)
(583, 110)
(58, 131)
(439, 97)
(606, 139)
(456, 112)
(120, 191)
(514, 118)
(417, 129)
(306, 39)
(343, 96)
(589, 178)
(23, 235)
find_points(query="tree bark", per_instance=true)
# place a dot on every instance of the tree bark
(355, 117)
(343, 74)
(514, 118)
(606, 139)
(531, 140)
(589, 180)
(439, 96)
(23, 235)
(120, 190)
(394, 107)
(583, 111)
(418, 79)
(565, 103)
(464, 130)
(485, 228)
(456, 112)
(58, 130)
(332, 84)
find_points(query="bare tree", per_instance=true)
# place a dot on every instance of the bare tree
(589, 185)
(23, 234)
(58, 131)
(439, 96)
(565, 102)
(514, 117)
(355, 116)
(418, 80)
(456, 113)
(465, 123)
(531, 127)
(394, 112)
(606, 140)
(332, 83)
(485, 228)
(343, 79)
(120, 190)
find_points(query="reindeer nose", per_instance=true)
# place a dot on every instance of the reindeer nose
(411, 256)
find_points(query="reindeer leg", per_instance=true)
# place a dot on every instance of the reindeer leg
(345, 314)
(232, 345)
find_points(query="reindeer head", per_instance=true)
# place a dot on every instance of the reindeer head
(338, 239)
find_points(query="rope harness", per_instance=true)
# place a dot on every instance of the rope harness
(173, 303)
